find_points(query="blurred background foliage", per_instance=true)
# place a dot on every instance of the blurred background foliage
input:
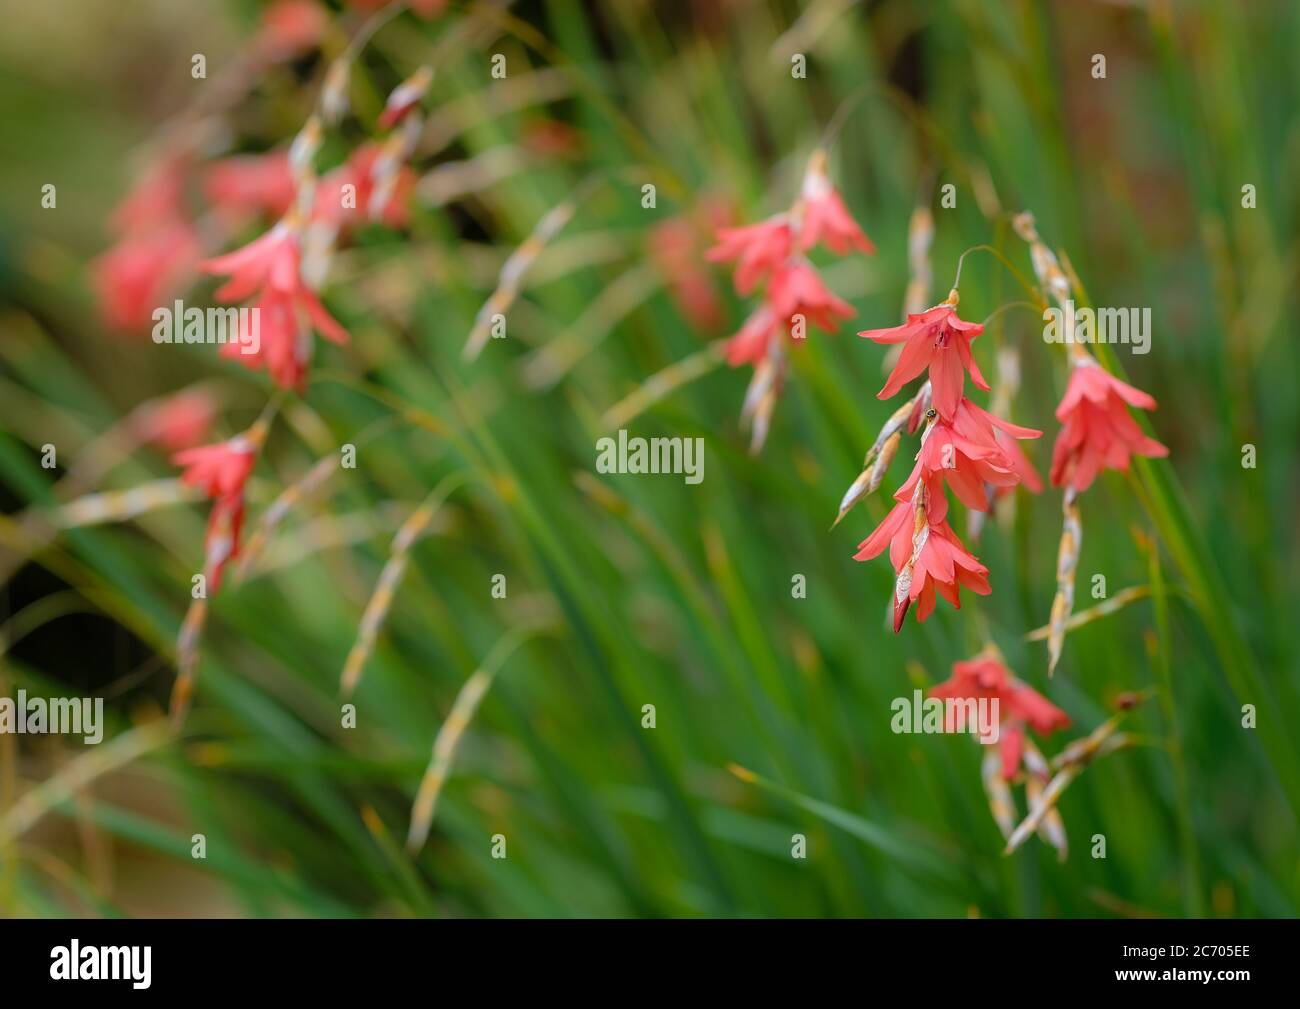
(633, 590)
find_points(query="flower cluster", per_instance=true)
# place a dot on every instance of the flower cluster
(1019, 706)
(1097, 432)
(160, 250)
(962, 446)
(279, 269)
(775, 251)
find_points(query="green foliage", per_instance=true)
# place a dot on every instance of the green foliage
(649, 591)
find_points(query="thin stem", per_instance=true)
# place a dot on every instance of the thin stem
(1009, 305)
(1029, 288)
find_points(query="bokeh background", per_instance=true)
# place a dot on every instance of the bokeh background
(633, 590)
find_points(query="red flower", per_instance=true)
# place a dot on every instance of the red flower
(177, 422)
(221, 542)
(222, 469)
(1018, 705)
(288, 310)
(143, 271)
(360, 171)
(1020, 464)
(1096, 428)
(250, 184)
(291, 27)
(927, 557)
(796, 289)
(938, 340)
(156, 253)
(156, 199)
(749, 345)
(825, 217)
(759, 248)
(673, 244)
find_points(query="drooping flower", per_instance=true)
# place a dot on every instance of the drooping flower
(795, 295)
(1020, 464)
(939, 341)
(796, 289)
(825, 217)
(246, 185)
(1019, 705)
(750, 343)
(341, 207)
(1097, 430)
(969, 456)
(156, 252)
(927, 556)
(287, 308)
(222, 471)
(758, 248)
(290, 28)
(144, 270)
(177, 422)
(673, 245)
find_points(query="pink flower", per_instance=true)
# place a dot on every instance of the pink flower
(143, 271)
(1018, 705)
(157, 198)
(156, 253)
(1020, 464)
(673, 244)
(750, 344)
(177, 422)
(939, 341)
(1096, 428)
(825, 217)
(928, 558)
(970, 453)
(359, 171)
(759, 249)
(288, 310)
(221, 543)
(291, 27)
(796, 289)
(246, 185)
(221, 469)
